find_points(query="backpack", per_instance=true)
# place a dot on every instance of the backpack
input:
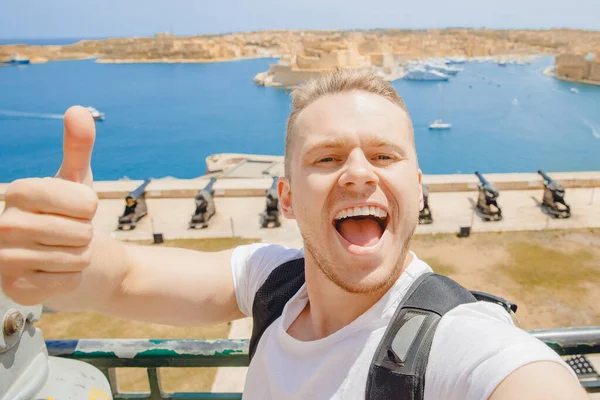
(398, 367)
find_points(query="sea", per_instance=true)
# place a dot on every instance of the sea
(163, 120)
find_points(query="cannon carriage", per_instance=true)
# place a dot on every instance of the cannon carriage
(271, 214)
(553, 200)
(205, 206)
(135, 207)
(425, 217)
(487, 205)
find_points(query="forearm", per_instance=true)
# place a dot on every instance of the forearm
(100, 280)
(157, 284)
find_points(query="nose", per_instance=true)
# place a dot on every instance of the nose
(358, 172)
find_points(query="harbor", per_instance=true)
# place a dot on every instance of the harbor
(189, 135)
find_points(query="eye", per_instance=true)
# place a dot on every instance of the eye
(326, 159)
(383, 157)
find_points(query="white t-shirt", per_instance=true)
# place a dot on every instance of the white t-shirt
(475, 346)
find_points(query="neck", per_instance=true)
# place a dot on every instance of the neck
(330, 308)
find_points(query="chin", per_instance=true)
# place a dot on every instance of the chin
(358, 269)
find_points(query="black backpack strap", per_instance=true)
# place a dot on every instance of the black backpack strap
(270, 299)
(398, 367)
(510, 308)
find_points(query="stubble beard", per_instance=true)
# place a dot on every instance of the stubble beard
(330, 268)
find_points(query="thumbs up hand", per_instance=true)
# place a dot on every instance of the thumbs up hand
(78, 142)
(46, 226)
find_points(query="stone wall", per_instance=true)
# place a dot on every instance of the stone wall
(594, 74)
(574, 66)
(286, 76)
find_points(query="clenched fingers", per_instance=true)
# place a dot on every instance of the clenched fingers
(52, 196)
(18, 228)
(17, 261)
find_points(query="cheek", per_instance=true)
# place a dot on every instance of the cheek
(309, 197)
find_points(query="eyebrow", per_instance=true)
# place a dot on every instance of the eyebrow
(337, 143)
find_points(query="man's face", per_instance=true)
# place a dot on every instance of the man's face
(354, 189)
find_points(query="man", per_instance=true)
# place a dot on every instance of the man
(353, 184)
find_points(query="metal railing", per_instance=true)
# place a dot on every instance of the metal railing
(109, 354)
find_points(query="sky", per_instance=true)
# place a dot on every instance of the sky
(117, 18)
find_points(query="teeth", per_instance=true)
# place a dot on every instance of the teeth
(357, 211)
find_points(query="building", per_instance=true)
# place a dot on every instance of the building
(318, 57)
(578, 67)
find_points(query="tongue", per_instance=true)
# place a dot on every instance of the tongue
(361, 232)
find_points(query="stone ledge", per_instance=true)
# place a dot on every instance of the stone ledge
(256, 187)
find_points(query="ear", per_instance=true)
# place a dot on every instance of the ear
(421, 200)
(285, 197)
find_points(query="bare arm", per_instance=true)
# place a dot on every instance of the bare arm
(155, 284)
(544, 380)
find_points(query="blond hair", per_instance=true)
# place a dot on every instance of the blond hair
(334, 82)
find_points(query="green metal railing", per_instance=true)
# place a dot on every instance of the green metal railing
(109, 354)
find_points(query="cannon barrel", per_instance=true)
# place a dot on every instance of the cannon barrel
(546, 177)
(483, 181)
(274, 184)
(139, 191)
(210, 184)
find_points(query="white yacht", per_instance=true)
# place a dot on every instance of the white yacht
(440, 124)
(443, 68)
(97, 115)
(423, 74)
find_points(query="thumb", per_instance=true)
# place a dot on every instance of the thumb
(78, 143)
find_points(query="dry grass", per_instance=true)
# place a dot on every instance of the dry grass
(212, 244)
(440, 267)
(552, 275)
(91, 325)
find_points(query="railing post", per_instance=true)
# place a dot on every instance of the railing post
(111, 375)
(156, 392)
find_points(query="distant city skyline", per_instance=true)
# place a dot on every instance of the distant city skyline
(116, 18)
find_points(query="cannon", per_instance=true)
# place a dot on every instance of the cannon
(425, 216)
(553, 201)
(272, 212)
(205, 206)
(487, 206)
(135, 207)
(28, 372)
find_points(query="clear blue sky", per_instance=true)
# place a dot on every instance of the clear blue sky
(104, 18)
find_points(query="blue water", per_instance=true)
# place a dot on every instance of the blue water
(163, 120)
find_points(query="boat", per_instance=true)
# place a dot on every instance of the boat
(574, 90)
(422, 74)
(456, 60)
(16, 59)
(97, 115)
(440, 124)
(443, 68)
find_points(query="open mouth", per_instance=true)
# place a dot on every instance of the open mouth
(361, 226)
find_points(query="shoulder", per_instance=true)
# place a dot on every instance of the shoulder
(251, 266)
(266, 255)
(475, 347)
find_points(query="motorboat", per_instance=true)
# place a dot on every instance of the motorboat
(443, 68)
(97, 115)
(440, 124)
(17, 59)
(423, 74)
